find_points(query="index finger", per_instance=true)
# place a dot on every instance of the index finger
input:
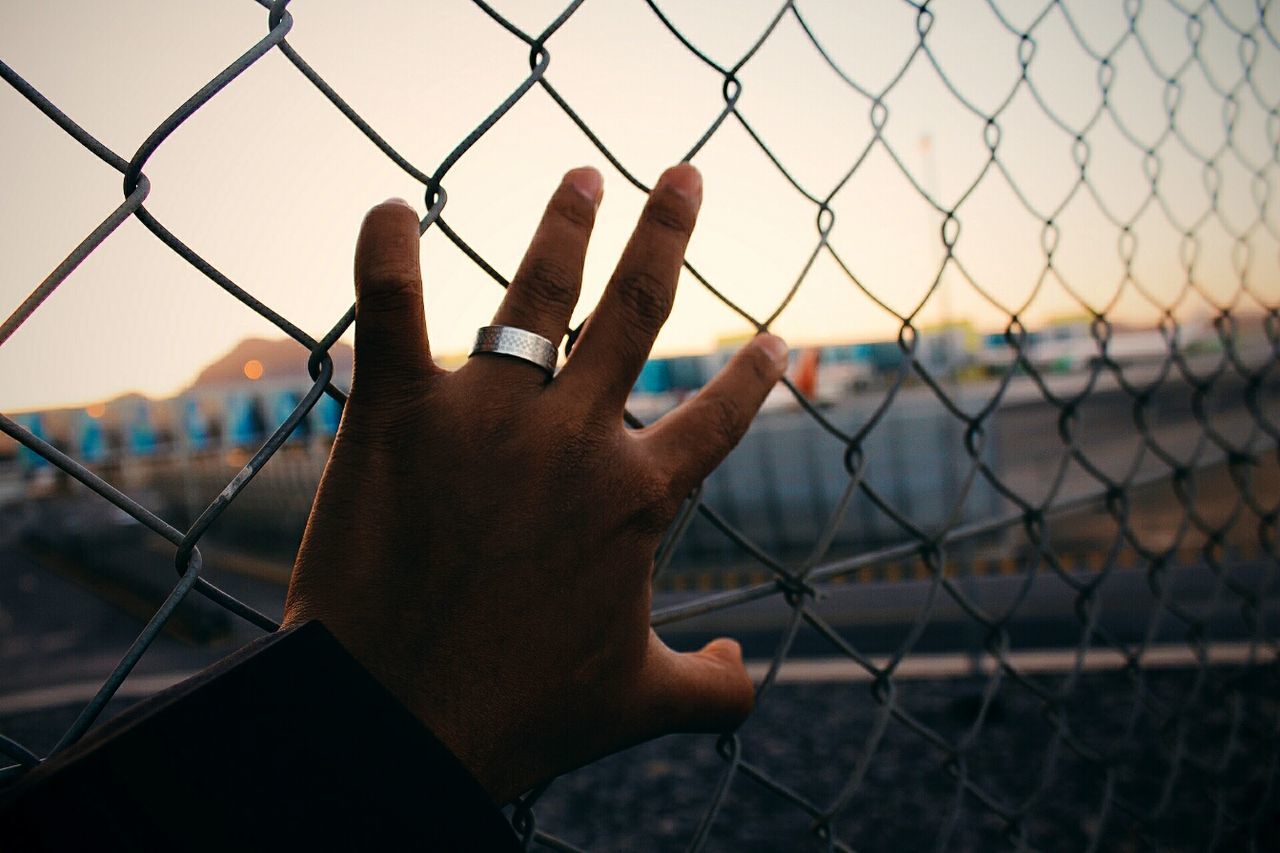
(391, 327)
(616, 340)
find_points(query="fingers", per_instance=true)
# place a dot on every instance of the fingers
(692, 440)
(545, 288)
(703, 691)
(391, 328)
(617, 339)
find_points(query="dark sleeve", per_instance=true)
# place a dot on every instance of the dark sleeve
(288, 744)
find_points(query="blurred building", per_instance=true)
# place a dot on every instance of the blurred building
(238, 400)
(235, 402)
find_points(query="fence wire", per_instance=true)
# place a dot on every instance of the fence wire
(1220, 734)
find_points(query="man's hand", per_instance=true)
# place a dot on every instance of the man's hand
(482, 540)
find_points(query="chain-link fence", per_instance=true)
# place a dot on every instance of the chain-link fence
(1124, 463)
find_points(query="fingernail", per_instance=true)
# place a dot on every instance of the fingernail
(589, 183)
(398, 200)
(684, 179)
(776, 347)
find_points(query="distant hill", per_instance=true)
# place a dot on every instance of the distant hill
(281, 359)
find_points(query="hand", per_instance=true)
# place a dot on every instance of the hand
(482, 540)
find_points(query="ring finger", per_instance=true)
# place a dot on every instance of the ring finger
(545, 288)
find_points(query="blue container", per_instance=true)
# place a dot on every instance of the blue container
(92, 441)
(655, 377)
(29, 459)
(194, 427)
(142, 435)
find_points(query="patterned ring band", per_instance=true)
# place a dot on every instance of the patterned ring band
(508, 340)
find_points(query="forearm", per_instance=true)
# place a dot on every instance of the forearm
(287, 743)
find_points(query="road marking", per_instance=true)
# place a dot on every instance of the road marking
(1041, 661)
(77, 692)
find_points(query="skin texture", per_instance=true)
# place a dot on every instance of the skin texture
(482, 540)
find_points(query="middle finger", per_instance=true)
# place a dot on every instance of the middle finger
(617, 339)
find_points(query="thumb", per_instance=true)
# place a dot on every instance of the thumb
(391, 328)
(703, 691)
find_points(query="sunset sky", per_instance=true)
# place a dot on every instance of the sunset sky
(268, 182)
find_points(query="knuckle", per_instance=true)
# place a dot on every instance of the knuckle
(725, 422)
(550, 285)
(387, 253)
(646, 298)
(386, 417)
(576, 452)
(388, 295)
(653, 502)
(761, 366)
(388, 283)
(575, 210)
(670, 211)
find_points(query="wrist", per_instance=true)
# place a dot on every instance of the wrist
(471, 733)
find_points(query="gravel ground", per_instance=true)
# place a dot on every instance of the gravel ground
(810, 738)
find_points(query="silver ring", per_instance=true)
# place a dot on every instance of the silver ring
(508, 340)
